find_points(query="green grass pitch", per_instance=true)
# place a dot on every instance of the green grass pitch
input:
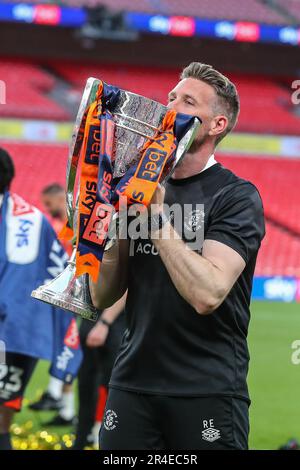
(274, 382)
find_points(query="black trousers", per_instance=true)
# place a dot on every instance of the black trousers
(94, 371)
(135, 421)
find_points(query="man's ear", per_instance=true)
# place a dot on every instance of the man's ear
(218, 125)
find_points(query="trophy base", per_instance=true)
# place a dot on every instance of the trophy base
(69, 304)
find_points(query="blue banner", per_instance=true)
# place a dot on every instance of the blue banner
(43, 14)
(276, 288)
(55, 15)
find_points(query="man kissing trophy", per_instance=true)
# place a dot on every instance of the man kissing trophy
(123, 145)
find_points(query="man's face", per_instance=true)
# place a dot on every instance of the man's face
(55, 204)
(192, 96)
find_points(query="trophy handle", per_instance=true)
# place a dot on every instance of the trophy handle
(183, 146)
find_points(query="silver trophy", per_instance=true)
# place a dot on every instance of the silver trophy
(137, 119)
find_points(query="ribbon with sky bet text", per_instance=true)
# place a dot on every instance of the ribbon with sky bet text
(99, 191)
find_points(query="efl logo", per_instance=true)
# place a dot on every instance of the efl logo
(98, 224)
(151, 165)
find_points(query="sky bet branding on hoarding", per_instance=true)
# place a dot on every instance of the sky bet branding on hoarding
(52, 15)
(55, 15)
(230, 30)
(284, 289)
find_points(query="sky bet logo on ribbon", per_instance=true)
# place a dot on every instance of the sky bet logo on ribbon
(97, 227)
(151, 165)
(93, 143)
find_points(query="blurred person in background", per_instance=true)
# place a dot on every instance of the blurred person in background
(30, 330)
(100, 343)
(54, 201)
(58, 396)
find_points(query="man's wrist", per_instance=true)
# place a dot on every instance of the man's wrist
(104, 322)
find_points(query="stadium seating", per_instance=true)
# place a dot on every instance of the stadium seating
(266, 105)
(42, 164)
(292, 7)
(27, 86)
(252, 10)
(279, 254)
(236, 10)
(278, 183)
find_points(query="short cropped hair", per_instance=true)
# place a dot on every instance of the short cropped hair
(227, 102)
(54, 188)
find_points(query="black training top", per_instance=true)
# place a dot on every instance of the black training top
(168, 348)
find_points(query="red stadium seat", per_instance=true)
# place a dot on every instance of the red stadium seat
(37, 165)
(278, 183)
(292, 7)
(279, 254)
(265, 103)
(27, 86)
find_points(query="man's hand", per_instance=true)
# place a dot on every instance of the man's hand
(157, 201)
(97, 336)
